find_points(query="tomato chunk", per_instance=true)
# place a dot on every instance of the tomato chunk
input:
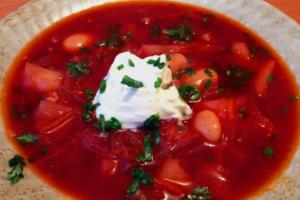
(173, 177)
(74, 43)
(40, 79)
(241, 49)
(264, 77)
(209, 125)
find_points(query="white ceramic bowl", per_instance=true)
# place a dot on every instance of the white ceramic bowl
(21, 26)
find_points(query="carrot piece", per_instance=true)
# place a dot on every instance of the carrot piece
(177, 62)
(241, 49)
(74, 43)
(262, 80)
(209, 125)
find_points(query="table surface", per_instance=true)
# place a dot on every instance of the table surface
(290, 7)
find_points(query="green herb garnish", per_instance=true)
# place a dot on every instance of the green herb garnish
(102, 86)
(199, 193)
(88, 111)
(238, 76)
(120, 67)
(156, 135)
(130, 82)
(268, 151)
(147, 155)
(185, 71)
(207, 84)
(27, 138)
(151, 122)
(140, 177)
(158, 82)
(78, 69)
(108, 125)
(90, 94)
(155, 31)
(131, 63)
(189, 92)
(294, 99)
(270, 78)
(114, 39)
(16, 164)
(156, 63)
(243, 112)
(208, 73)
(183, 32)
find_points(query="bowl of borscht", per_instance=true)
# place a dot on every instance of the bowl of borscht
(149, 100)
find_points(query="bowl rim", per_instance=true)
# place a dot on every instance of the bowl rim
(269, 23)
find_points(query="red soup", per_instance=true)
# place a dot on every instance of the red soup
(241, 135)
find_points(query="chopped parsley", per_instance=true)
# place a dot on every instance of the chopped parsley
(155, 31)
(238, 76)
(185, 71)
(16, 164)
(157, 63)
(114, 39)
(89, 94)
(130, 82)
(102, 86)
(151, 122)
(27, 138)
(183, 32)
(139, 177)
(294, 99)
(158, 82)
(120, 67)
(131, 63)
(189, 92)
(78, 69)
(147, 155)
(88, 111)
(156, 135)
(207, 84)
(208, 73)
(243, 113)
(270, 78)
(268, 152)
(108, 125)
(199, 193)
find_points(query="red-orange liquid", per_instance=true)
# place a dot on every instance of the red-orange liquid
(234, 168)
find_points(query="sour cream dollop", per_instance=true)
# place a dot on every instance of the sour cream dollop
(132, 106)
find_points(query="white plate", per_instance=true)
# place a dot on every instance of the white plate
(17, 29)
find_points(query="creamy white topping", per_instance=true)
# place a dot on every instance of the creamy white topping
(132, 106)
